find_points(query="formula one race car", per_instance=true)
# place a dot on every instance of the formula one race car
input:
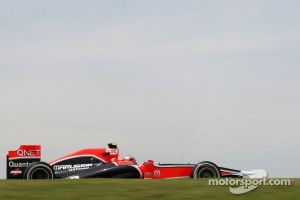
(25, 163)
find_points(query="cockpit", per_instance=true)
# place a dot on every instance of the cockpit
(129, 159)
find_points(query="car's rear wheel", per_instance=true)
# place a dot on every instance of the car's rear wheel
(39, 170)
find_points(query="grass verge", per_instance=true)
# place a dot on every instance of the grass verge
(136, 189)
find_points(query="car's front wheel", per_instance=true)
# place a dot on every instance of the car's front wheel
(205, 169)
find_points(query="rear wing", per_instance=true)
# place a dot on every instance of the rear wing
(18, 160)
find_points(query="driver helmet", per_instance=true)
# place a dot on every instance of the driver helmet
(129, 158)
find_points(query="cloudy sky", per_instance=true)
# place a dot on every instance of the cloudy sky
(173, 81)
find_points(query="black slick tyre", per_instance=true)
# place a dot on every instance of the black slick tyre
(39, 170)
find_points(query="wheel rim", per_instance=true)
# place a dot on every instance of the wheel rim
(206, 173)
(40, 173)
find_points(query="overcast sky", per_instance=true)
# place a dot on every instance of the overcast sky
(173, 81)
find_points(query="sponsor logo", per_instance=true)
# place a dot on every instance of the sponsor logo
(28, 153)
(74, 167)
(18, 164)
(16, 172)
(156, 173)
(112, 151)
(98, 164)
(73, 177)
(148, 174)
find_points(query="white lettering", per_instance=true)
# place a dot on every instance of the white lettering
(74, 167)
(13, 164)
(112, 151)
(28, 153)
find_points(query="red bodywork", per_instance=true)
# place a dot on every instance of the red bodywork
(148, 169)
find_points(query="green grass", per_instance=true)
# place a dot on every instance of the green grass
(136, 189)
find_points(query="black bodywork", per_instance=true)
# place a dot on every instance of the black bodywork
(110, 170)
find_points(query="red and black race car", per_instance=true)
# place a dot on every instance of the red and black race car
(25, 163)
